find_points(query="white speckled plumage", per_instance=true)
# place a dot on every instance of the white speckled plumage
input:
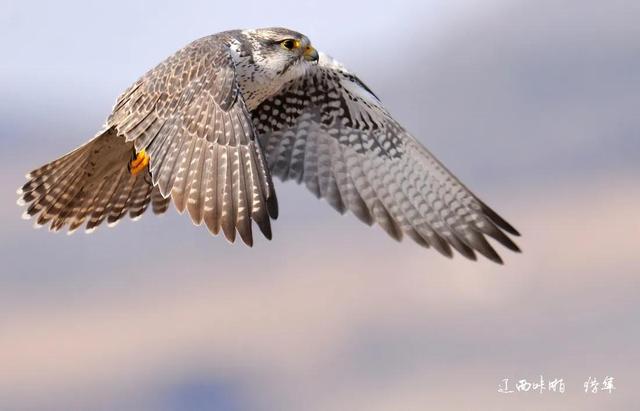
(224, 113)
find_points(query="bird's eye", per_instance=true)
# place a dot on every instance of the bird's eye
(290, 44)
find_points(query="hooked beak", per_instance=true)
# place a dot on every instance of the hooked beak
(311, 54)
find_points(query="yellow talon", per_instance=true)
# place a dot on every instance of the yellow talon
(139, 163)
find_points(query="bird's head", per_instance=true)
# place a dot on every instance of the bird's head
(281, 51)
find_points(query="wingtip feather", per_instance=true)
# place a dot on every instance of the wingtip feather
(265, 227)
(501, 222)
(272, 206)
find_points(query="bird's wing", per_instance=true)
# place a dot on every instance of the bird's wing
(190, 117)
(331, 132)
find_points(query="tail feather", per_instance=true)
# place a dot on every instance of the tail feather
(160, 204)
(139, 199)
(90, 184)
(69, 210)
(54, 200)
(41, 189)
(50, 170)
(119, 207)
(86, 204)
(102, 207)
(62, 209)
(77, 216)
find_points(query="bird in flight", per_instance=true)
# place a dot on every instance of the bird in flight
(210, 125)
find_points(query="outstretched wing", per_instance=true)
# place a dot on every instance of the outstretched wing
(190, 117)
(331, 132)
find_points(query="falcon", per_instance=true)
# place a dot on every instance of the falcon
(210, 125)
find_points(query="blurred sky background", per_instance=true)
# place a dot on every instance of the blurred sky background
(533, 104)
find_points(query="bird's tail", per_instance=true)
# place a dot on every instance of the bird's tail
(90, 184)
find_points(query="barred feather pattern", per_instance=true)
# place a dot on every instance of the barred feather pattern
(330, 132)
(88, 186)
(215, 131)
(189, 115)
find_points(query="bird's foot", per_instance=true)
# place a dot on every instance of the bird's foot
(138, 163)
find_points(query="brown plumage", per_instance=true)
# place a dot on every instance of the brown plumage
(89, 185)
(225, 112)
